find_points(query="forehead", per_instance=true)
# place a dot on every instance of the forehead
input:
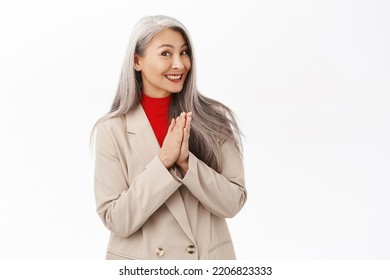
(168, 37)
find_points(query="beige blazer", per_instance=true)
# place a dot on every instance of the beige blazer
(155, 213)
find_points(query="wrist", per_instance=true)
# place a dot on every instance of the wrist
(165, 161)
(184, 165)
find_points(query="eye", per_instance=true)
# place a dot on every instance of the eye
(185, 52)
(165, 53)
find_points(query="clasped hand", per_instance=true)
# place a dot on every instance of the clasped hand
(175, 148)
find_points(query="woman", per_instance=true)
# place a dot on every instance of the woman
(168, 167)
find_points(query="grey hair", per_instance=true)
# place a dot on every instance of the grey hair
(212, 122)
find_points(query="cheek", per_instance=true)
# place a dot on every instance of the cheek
(161, 67)
(187, 64)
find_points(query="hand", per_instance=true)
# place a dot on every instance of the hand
(182, 160)
(171, 146)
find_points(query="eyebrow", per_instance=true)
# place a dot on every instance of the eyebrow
(170, 46)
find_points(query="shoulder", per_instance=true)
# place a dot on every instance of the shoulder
(116, 121)
(113, 126)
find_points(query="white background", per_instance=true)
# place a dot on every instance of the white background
(308, 80)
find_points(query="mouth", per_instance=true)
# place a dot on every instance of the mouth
(174, 78)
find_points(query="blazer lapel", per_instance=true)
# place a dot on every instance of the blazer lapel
(142, 137)
(176, 206)
(146, 146)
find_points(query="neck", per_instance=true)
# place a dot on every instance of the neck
(159, 95)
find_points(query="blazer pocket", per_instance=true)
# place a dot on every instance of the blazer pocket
(223, 250)
(219, 245)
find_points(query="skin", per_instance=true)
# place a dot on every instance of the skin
(167, 56)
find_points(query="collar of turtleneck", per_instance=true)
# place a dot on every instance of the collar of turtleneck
(157, 111)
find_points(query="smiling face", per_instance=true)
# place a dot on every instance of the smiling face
(164, 65)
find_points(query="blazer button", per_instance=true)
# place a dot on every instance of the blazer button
(191, 249)
(160, 252)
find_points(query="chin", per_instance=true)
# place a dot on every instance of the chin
(176, 90)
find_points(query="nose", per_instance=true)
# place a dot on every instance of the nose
(177, 63)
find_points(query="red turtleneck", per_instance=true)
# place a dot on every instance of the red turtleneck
(157, 111)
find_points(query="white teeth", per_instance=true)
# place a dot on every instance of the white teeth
(173, 77)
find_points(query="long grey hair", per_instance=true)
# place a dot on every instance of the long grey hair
(212, 122)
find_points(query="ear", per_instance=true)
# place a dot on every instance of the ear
(137, 65)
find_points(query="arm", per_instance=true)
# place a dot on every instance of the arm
(124, 204)
(222, 194)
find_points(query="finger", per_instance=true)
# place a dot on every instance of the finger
(187, 128)
(188, 115)
(183, 119)
(179, 122)
(185, 144)
(188, 121)
(180, 118)
(186, 136)
(172, 124)
(178, 129)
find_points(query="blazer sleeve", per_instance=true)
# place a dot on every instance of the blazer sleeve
(124, 208)
(223, 194)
